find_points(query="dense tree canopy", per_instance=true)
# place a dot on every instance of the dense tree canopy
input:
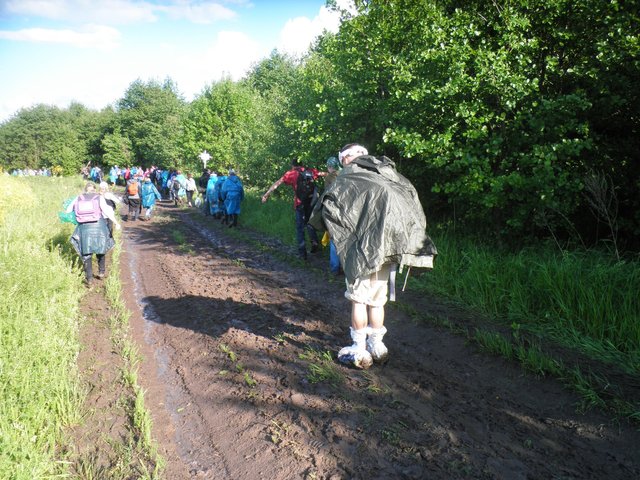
(513, 119)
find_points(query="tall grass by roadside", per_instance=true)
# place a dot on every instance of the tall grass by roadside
(583, 299)
(39, 294)
(275, 218)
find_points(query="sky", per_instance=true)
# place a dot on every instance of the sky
(89, 51)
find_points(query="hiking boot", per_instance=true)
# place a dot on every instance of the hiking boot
(357, 354)
(375, 347)
(101, 275)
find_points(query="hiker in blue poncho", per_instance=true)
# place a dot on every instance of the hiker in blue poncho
(212, 198)
(218, 196)
(232, 194)
(149, 195)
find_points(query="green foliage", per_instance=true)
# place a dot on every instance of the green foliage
(117, 150)
(499, 113)
(151, 115)
(42, 136)
(226, 120)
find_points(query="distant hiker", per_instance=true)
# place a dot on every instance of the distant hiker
(203, 181)
(302, 180)
(232, 194)
(376, 221)
(178, 187)
(333, 168)
(91, 236)
(218, 197)
(212, 198)
(149, 194)
(132, 195)
(112, 202)
(190, 188)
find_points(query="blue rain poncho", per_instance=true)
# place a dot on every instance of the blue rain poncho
(232, 193)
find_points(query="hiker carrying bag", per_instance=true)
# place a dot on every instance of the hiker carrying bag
(132, 189)
(87, 208)
(305, 186)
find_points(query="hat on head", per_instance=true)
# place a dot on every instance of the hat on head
(352, 150)
(333, 163)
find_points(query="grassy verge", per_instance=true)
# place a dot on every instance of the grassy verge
(41, 393)
(39, 295)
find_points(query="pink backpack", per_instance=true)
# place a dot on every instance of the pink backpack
(87, 208)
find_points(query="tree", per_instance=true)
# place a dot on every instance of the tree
(117, 150)
(151, 114)
(42, 136)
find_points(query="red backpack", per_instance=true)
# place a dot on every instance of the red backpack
(87, 208)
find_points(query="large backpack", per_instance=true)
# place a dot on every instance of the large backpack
(132, 188)
(87, 208)
(305, 186)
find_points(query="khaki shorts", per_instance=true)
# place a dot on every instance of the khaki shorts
(371, 289)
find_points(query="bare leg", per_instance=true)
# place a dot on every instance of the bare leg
(359, 316)
(376, 317)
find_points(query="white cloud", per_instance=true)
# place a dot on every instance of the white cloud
(85, 11)
(90, 36)
(298, 33)
(117, 12)
(232, 54)
(204, 13)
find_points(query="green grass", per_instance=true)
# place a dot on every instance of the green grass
(322, 367)
(40, 392)
(39, 294)
(275, 218)
(584, 300)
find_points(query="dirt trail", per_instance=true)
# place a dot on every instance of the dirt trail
(228, 333)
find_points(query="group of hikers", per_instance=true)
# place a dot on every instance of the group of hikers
(369, 213)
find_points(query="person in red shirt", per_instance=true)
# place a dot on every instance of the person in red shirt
(302, 180)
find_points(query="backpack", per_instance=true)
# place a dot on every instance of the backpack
(305, 186)
(132, 188)
(176, 185)
(87, 208)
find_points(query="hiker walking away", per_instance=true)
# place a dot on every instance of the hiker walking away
(218, 198)
(178, 187)
(212, 198)
(203, 181)
(333, 168)
(111, 200)
(190, 188)
(232, 194)
(376, 221)
(91, 236)
(132, 194)
(149, 195)
(302, 180)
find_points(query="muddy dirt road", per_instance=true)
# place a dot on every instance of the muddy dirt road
(240, 385)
